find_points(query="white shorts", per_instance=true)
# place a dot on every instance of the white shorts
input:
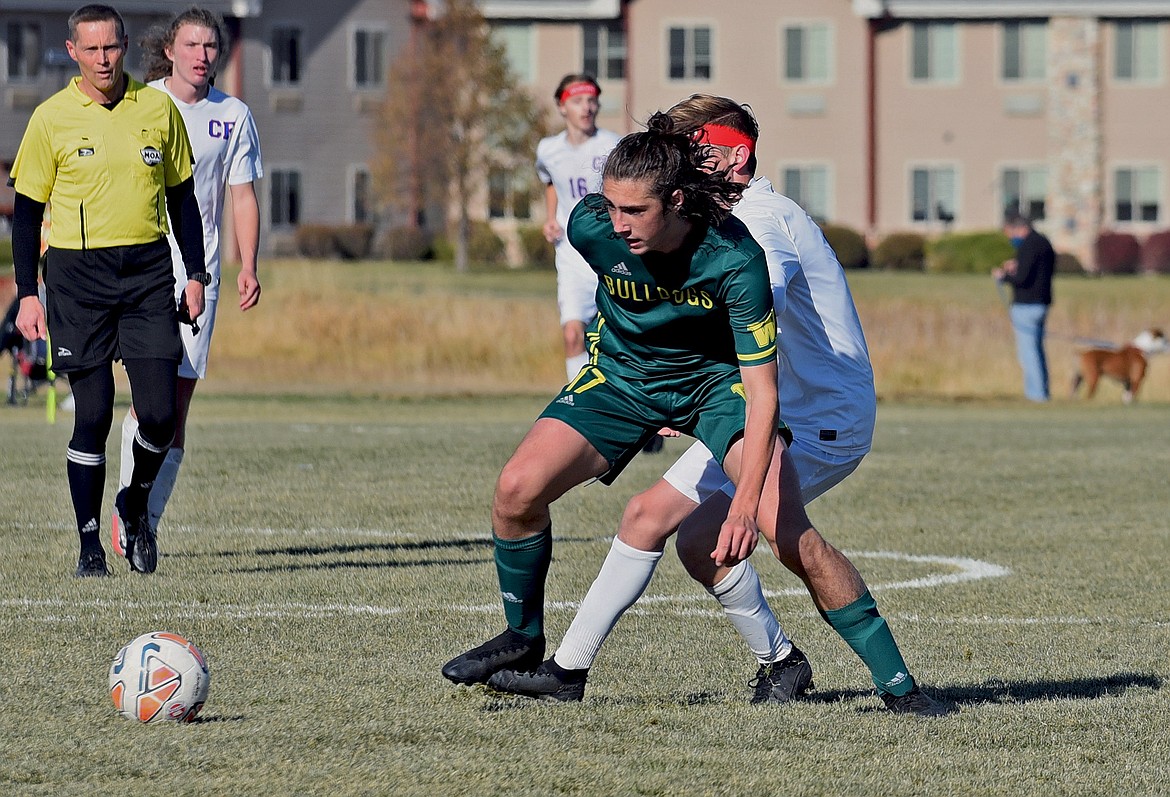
(697, 474)
(195, 347)
(576, 285)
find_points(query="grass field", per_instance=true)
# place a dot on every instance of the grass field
(329, 554)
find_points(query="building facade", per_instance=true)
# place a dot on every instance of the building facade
(882, 115)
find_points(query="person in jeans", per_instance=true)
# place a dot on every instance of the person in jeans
(1030, 275)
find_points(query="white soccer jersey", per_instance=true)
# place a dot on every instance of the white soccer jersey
(826, 385)
(573, 171)
(226, 147)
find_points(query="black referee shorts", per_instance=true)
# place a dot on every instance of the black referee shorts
(111, 304)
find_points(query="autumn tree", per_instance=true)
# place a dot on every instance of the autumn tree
(453, 111)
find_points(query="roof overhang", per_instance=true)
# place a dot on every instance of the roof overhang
(977, 9)
(229, 8)
(550, 9)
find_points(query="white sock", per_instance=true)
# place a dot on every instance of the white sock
(574, 364)
(126, 463)
(743, 602)
(164, 485)
(623, 578)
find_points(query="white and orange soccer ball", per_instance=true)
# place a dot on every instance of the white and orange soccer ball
(159, 677)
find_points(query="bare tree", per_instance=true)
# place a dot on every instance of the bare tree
(453, 111)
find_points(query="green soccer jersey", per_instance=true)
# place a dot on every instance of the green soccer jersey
(705, 304)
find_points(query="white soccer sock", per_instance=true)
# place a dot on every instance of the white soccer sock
(164, 485)
(126, 463)
(574, 364)
(742, 598)
(623, 578)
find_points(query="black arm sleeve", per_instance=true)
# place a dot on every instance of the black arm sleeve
(27, 215)
(183, 210)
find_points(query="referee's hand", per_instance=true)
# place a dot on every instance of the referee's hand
(30, 319)
(193, 299)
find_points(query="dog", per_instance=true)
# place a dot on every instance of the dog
(1127, 364)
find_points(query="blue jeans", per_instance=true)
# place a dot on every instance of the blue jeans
(1028, 322)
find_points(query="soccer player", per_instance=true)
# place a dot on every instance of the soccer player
(112, 157)
(828, 403)
(180, 60)
(569, 164)
(684, 338)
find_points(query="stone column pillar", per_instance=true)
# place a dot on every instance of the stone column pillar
(1075, 169)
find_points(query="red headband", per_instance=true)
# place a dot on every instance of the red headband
(724, 136)
(573, 89)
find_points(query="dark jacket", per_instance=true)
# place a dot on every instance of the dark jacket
(1035, 262)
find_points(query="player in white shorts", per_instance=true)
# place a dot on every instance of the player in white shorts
(569, 164)
(828, 403)
(180, 60)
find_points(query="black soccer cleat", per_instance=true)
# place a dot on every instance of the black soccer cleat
(549, 681)
(92, 564)
(140, 544)
(916, 702)
(508, 650)
(653, 445)
(782, 681)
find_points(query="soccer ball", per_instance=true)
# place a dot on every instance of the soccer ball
(159, 677)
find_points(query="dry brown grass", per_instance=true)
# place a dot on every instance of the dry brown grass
(395, 329)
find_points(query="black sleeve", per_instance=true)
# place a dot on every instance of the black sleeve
(27, 215)
(183, 210)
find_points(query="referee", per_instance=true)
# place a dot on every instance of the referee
(112, 158)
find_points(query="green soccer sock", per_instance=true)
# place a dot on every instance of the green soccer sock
(866, 631)
(521, 566)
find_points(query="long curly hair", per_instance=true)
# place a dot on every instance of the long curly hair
(158, 38)
(668, 160)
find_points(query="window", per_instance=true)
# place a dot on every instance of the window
(1025, 190)
(808, 186)
(604, 46)
(1136, 194)
(369, 59)
(285, 198)
(934, 52)
(24, 50)
(690, 53)
(1025, 48)
(932, 193)
(516, 39)
(363, 197)
(807, 53)
(286, 56)
(1136, 53)
(509, 194)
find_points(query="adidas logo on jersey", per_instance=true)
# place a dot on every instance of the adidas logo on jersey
(510, 598)
(63, 352)
(622, 268)
(566, 400)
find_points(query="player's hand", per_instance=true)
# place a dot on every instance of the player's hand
(193, 299)
(552, 231)
(30, 319)
(249, 287)
(737, 539)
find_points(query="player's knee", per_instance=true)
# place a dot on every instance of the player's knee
(515, 496)
(642, 525)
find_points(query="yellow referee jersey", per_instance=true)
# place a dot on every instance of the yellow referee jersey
(104, 172)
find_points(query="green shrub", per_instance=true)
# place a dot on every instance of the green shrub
(346, 241)
(315, 240)
(968, 252)
(405, 243)
(900, 251)
(538, 253)
(848, 244)
(1068, 263)
(484, 247)
(353, 241)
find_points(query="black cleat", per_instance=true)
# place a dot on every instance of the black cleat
(549, 681)
(916, 702)
(141, 547)
(92, 564)
(509, 649)
(653, 445)
(784, 680)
